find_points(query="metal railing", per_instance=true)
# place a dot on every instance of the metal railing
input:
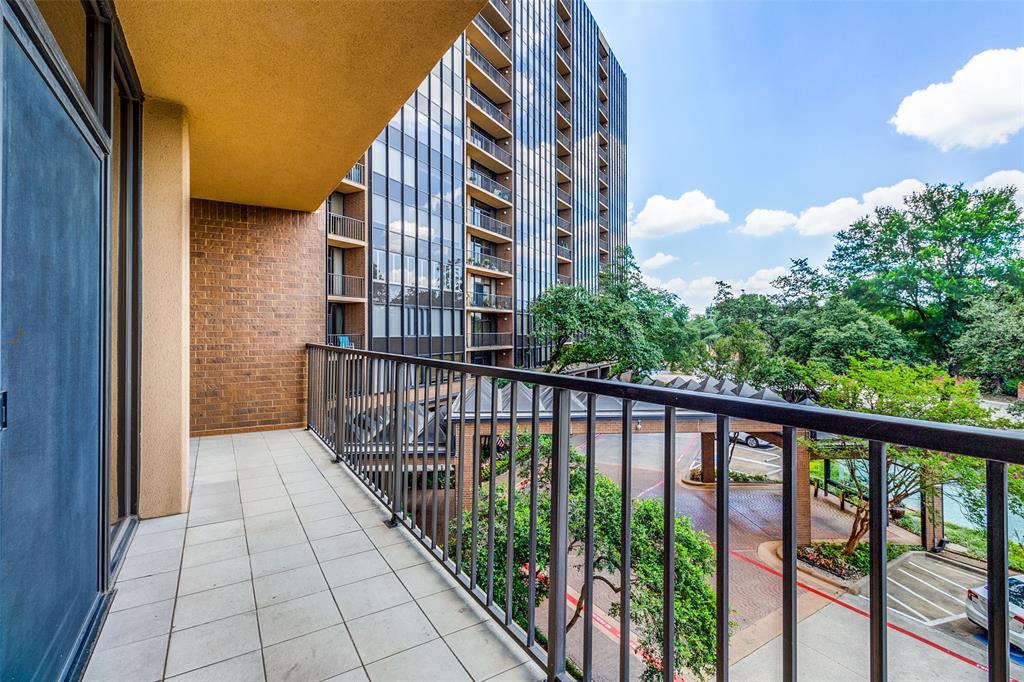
(602, 154)
(482, 63)
(563, 279)
(563, 195)
(602, 221)
(603, 243)
(480, 299)
(563, 110)
(488, 262)
(485, 339)
(490, 108)
(492, 462)
(602, 175)
(564, 139)
(563, 81)
(563, 250)
(489, 146)
(564, 54)
(564, 167)
(563, 223)
(356, 173)
(488, 184)
(475, 216)
(345, 226)
(345, 340)
(494, 36)
(344, 285)
(503, 9)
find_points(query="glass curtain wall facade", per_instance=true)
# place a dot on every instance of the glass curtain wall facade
(503, 175)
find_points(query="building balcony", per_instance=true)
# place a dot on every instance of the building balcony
(564, 12)
(602, 222)
(346, 287)
(488, 227)
(486, 38)
(563, 31)
(489, 190)
(354, 180)
(489, 339)
(491, 266)
(488, 153)
(346, 230)
(564, 170)
(564, 87)
(488, 115)
(602, 156)
(563, 279)
(563, 251)
(602, 70)
(602, 177)
(479, 299)
(602, 113)
(602, 244)
(602, 95)
(602, 136)
(564, 142)
(564, 116)
(498, 14)
(563, 60)
(563, 197)
(345, 340)
(563, 226)
(486, 76)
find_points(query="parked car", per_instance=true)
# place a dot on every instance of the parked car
(976, 607)
(749, 440)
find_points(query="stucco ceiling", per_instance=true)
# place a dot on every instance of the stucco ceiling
(282, 97)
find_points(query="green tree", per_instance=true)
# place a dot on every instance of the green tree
(928, 393)
(920, 264)
(992, 345)
(802, 287)
(695, 600)
(561, 315)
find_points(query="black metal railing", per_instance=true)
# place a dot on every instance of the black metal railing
(344, 285)
(563, 195)
(493, 35)
(345, 226)
(484, 64)
(563, 250)
(488, 262)
(475, 216)
(356, 173)
(458, 453)
(480, 299)
(564, 82)
(488, 184)
(489, 339)
(503, 9)
(563, 111)
(564, 54)
(564, 167)
(489, 146)
(602, 154)
(490, 108)
(345, 340)
(563, 279)
(563, 223)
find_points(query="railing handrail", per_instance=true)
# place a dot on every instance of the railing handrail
(566, 140)
(493, 34)
(489, 184)
(498, 338)
(490, 107)
(563, 249)
(481, 219)
(503, 9)
(484, 260)
(478, 58)
(497, 301)
(972, 441)
(490, 147)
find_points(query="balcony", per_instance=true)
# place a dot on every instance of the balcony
(602, 177)
(480, 299)
(602, 70)
(602, 155)
(355, 179)
(492, 264)
(602, 113)
(563, 251)
(488, 189)
(564, 88)
(563, 31)
(602, 222)
(345, 286)
(602, 243)
(602, 95)
(563, 279)
(492, 81)
(486, 38)
(564, 198)
(499, 14)
(489, 339)
(346, 228)
(563, 60)
(565, 170)
(461, 525)
(345, 340)
(564, 141)
(564, 116)
(487, 115)
(492, 228)
(563, 225)
(488, 153)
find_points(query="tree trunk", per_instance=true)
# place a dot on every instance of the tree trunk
(860, 528)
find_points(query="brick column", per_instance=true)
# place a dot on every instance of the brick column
(707, 457)
(932, 519)
(803, 492)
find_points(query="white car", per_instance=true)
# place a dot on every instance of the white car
(976, 607)
(750, 440)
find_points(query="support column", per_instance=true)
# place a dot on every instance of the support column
(932, 520)
(163, 456)
(803, 491)
(707, 457)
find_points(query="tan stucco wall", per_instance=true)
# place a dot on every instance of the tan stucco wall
(163, 465)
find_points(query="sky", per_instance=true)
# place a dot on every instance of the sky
(756, 130)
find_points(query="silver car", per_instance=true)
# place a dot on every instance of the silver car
(750, 440)
(976, 607)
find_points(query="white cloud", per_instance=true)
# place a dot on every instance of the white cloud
(662, 216)
(979, 107)
(658, 260)
(698, 293)
(764, 222)
(1001, 179)
(841, 213)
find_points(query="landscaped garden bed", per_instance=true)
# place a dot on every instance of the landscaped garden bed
(736, 477)
(828, 557)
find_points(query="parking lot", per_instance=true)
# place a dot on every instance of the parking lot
(930, 591)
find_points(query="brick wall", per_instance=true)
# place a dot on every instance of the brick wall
(257, 297)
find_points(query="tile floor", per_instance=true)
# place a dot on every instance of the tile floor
(283, 569)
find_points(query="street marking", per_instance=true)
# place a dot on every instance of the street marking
(962, 587)
(920, 616)
(927, 584)
(894, 610)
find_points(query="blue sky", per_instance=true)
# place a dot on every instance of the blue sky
(787, 106)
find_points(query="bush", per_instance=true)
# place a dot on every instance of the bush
(975, 542)
(828, 556)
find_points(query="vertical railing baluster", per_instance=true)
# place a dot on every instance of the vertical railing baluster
(559, 550)
(588, 541)
(531, 627)
(625, 569)
(339, 411)
(476, 485)
(459, 485)
(878, 503)
(495, 404)
(722, 547)
(788, 553)
(998, 571)
(417, 456)
(668, 607)
(309, 386)
(510, 532)
(433, 476)
(396, 446)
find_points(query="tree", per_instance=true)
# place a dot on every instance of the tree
(695, 600)
(743, 356)
(918, 265)
(562, 314)
(891, 388)
(992, 345)
(802, 287)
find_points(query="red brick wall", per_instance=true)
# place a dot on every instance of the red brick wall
(257, 297)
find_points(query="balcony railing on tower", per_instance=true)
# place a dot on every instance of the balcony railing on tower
(475, 216)
(480, 299)
(489, 146)
(346, 226)
(345, 285)
(488, 184)
(488, 262)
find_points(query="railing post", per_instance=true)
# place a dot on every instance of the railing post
(309, 387)
(396, 444)
(339, 409)
(878, 502)
(998, 572)
(559, 555)
(789, 615)
(722, 547)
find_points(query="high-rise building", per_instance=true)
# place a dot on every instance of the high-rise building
(503, 175)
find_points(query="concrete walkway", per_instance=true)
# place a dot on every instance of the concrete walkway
(283, 569)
